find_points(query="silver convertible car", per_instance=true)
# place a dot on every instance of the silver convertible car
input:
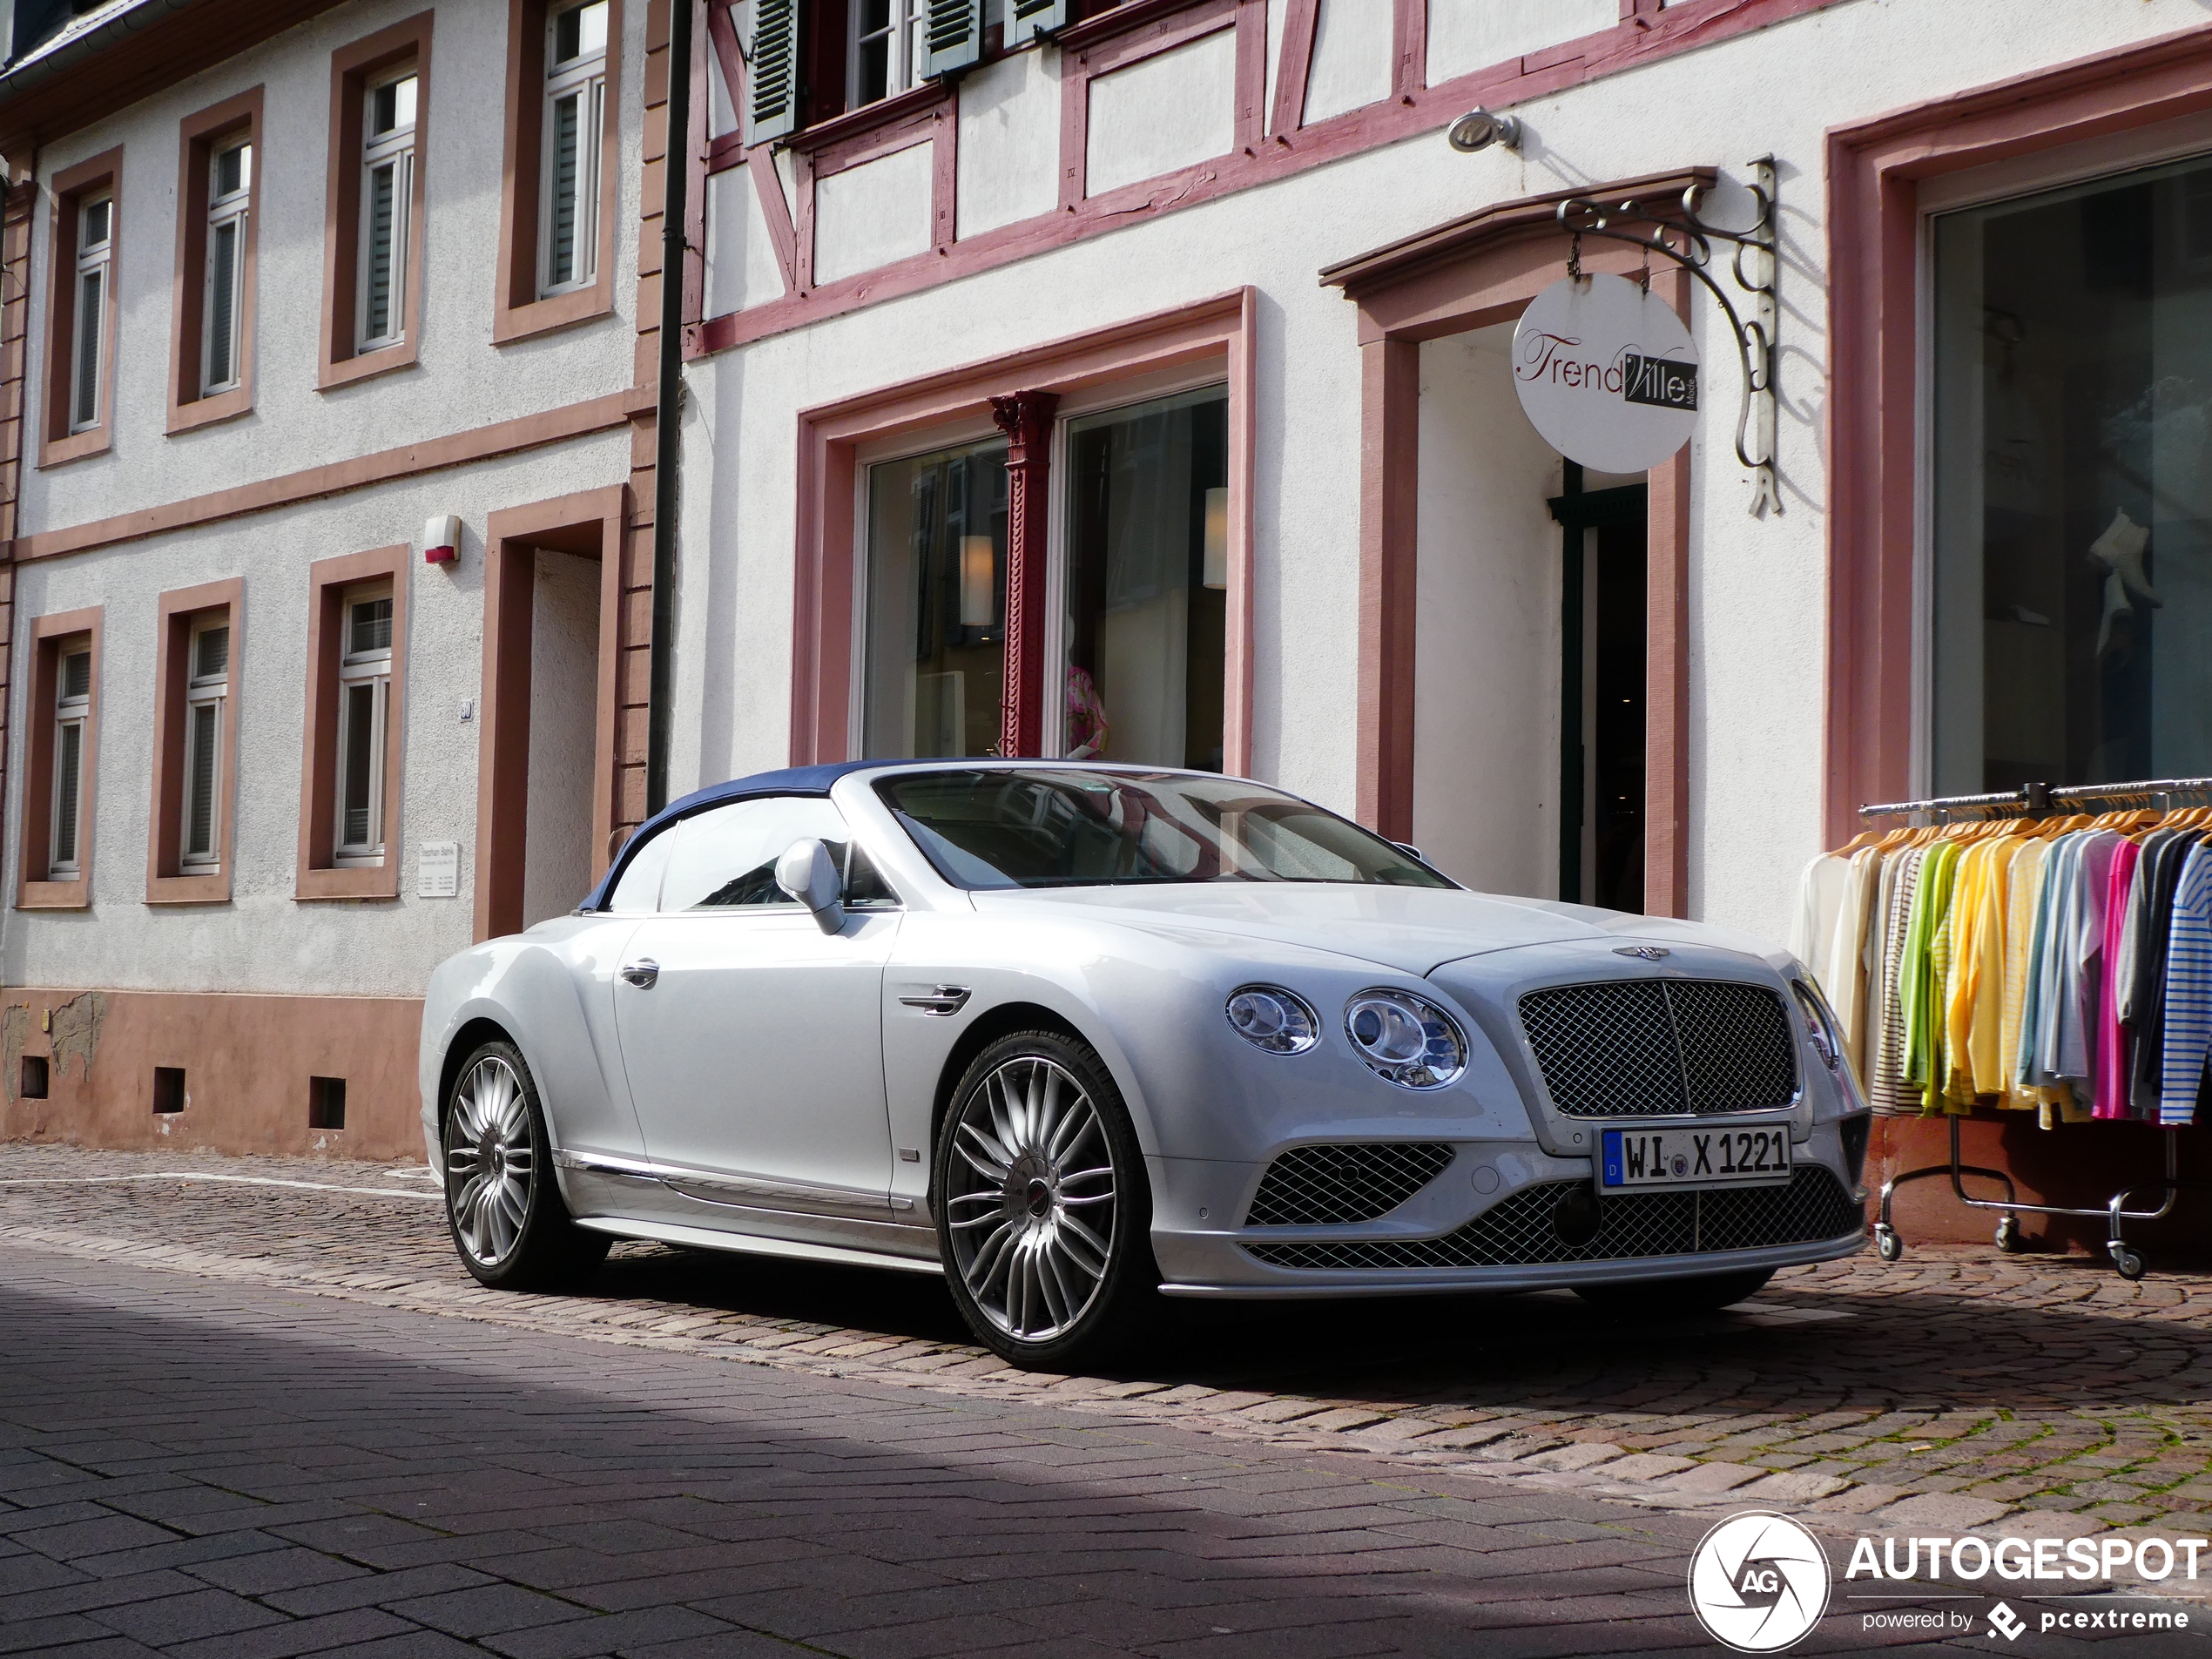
(1075, 1035)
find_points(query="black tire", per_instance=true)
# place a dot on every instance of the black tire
(503, 1207)
(1703, 1294)
(1019, 1190)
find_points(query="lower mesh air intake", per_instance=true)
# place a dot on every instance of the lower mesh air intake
(1522, 1228)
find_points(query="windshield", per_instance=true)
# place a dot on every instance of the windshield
(1065, 826)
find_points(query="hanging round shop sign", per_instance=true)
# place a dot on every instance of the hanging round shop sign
(1607, 373)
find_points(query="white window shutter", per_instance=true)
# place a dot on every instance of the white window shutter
(955, 36)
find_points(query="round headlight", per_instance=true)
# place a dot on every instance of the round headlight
(1406, 1038)
(1269, 1017)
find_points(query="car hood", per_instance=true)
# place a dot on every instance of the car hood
(1411, 929)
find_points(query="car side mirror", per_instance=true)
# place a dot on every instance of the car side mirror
(809, 874)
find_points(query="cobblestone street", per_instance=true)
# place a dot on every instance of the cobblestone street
(221, 1373)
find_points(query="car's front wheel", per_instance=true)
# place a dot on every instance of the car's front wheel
(1043, 1216)
(504, 1205)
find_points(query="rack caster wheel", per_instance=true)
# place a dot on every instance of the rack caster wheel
(2008, 1235)
(2129, 1264)
(1887, 1244)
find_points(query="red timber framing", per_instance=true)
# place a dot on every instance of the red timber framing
(1026, 418)
(632, 642)
(1024, 390)
(1477, 270)
(590, 525)
(1272, 142)
(22, 201)
(1875, 170)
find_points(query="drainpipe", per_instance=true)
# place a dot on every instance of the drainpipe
(677, 174)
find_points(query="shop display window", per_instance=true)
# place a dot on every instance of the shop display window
(2071, 484)
(936, 604)
(1147, 497)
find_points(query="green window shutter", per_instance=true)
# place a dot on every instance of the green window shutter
(955, 36)
(771, 72)
(1032, 19)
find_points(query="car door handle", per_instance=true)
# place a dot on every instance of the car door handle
(641, 972)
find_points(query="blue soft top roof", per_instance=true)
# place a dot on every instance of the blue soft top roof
(792, 780)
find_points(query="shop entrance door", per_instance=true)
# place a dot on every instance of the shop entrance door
(1602, 627)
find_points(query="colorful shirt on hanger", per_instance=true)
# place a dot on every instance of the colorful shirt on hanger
(2158, 873)
(1977, 1010)
(2023, 886)
(2189, 992)
(2113, 1058)
(1886, 1085)
(2082, 964)
(1842, 975)
(1930, 984)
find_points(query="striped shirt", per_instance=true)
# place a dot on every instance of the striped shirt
(2189, 991)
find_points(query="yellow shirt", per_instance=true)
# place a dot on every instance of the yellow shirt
(1978, 995)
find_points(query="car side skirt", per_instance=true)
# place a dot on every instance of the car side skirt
(667, 1233)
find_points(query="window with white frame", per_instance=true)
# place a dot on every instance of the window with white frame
(230, 185)
(387, 197)
(207, 683)
(890, 44)
(95, 241)
(364, 703)
(575, 113)
(72, 712)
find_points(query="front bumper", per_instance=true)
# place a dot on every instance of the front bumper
(1484, 1224)
(1310, 1284)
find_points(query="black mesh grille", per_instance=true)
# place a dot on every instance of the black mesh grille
(1517, 1231)
(1653, 1048)
(1316, 1185)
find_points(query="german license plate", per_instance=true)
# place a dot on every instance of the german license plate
(1635, 1159)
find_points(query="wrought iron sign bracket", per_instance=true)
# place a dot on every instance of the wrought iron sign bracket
(1687, 239)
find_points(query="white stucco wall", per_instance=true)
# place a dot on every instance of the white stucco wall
(1162, 112)
(1485, 743)
(871, 215)
(1352, 58)
(461, 380)
(565, 711)
(1475, 34)
(741, 267)
(1009, 128)
(266, 939)
(1755, 620)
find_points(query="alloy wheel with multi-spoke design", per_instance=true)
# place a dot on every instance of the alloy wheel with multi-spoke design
(490, 1161)
(1030, 1198)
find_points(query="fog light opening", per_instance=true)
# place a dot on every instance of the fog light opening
(1575, 1217)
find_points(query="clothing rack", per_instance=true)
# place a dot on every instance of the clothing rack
(2041, 800)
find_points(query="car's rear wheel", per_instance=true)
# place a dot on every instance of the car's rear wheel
(504, 1205)
(1043, 1216)
(1701, 1294)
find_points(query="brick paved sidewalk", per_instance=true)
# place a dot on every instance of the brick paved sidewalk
(208, 1470)
(1956, 1388)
